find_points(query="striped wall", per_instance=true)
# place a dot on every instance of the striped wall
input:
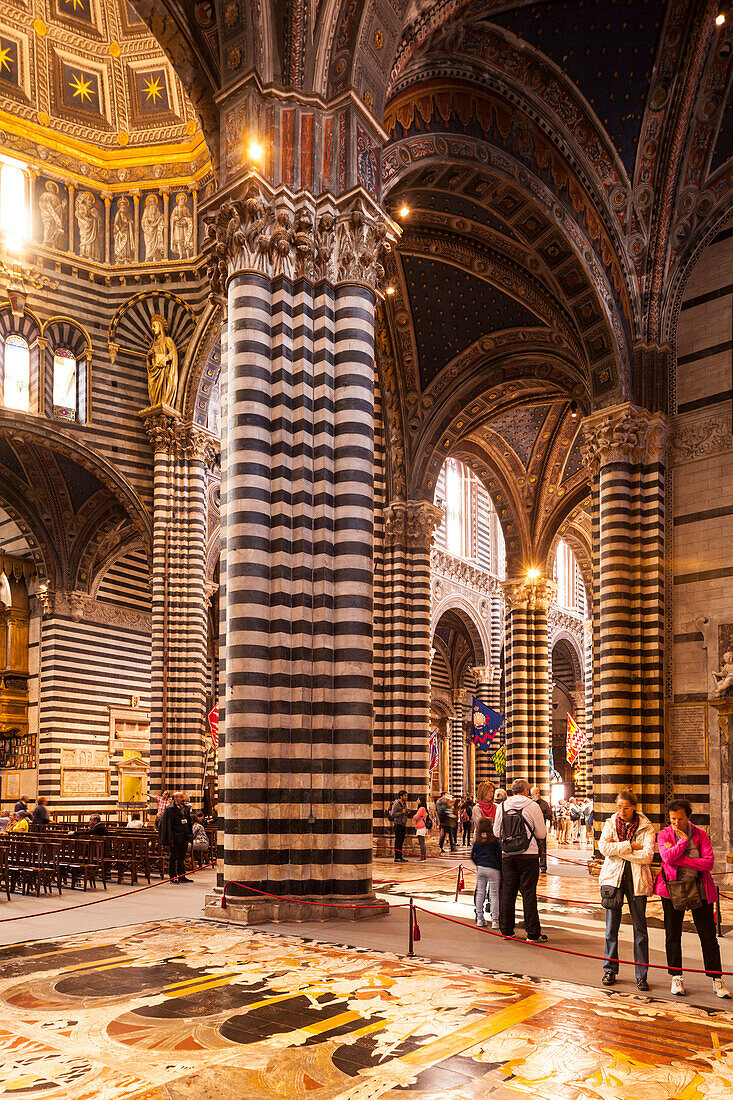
(298, 488)
(86, 668)
(701, 525)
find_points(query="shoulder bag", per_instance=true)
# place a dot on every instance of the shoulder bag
(686, 893)
(612, 897)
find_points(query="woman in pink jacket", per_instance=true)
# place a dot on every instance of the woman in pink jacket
(686, 852)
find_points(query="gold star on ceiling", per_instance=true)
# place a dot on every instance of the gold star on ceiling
(153, 89)
(75, 4)
(82, 88)
(5, 58)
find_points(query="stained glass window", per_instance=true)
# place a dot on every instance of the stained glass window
(17, 374)
(64, 385)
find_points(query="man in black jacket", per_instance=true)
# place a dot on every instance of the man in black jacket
(176, 833)
(96, 828)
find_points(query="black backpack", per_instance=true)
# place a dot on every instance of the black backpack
(428, 822)
(516, 833)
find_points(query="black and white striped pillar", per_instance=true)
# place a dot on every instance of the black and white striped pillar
(179, 625)
(297, 504)
(527, 600)
(625, 451)
(402, 652)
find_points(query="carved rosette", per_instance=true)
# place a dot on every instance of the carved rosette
(277, 235)
(411, 523)
(624, 433)
(170, 435)
(528, 594)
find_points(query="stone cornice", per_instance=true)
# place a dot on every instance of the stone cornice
(528, 594)
(462, 572)
(559, 619)
(411, 523)
(624, 433)
(81, 607)
(170, 434)
(299, 237)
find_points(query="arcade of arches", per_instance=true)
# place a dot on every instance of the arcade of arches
(357, 359)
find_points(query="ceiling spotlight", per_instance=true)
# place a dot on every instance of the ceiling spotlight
(255, 151)
(389, 289)
(720, 19)
(574, 409)
(404, 210)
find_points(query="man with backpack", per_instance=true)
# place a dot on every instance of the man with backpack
(519, 827)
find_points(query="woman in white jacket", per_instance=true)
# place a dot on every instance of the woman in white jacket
(627, 845)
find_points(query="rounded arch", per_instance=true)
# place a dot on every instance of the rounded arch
(68, 333)
(569, 659)
(477, 630)
(201, 367)
(46, 435)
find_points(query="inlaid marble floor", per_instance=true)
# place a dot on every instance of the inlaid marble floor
(191, 1009)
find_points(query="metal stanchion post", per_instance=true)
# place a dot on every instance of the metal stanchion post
(459, 881)
(411, 942)
(720, 921)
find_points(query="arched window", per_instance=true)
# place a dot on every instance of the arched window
(17, 374)
(570, 591)
(65, 403)
(13, 202)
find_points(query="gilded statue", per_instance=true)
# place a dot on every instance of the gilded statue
(162, 360)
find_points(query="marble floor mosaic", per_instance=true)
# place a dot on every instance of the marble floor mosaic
(193, 1010)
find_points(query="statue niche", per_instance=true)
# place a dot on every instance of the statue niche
(162, 360)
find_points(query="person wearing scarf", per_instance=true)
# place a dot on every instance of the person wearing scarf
(627, 845)
(484, 804)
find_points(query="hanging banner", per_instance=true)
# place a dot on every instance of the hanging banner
(485, 723)
(575, 740)
(214, 725)
(500, 761)
(433, 744)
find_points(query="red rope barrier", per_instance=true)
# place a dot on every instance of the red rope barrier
(567, 950)
(98, 901)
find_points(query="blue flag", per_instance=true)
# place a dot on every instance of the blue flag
(485, 723)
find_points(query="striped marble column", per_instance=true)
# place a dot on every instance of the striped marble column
(527, 666)
(588, 684)
(457, 749)
(402, 653)
(178, 651)
(297, 493)
(484, 764)
(625, 452)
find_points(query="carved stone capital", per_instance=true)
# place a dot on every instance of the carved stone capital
(169, 434)
(624, 433)
(411, 523)
(483, 675)
(299, 237)
(528, 593)
(80, 607)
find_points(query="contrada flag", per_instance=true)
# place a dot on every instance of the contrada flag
(484, 725)
(214, 725)
(433, 750)
(575, 740)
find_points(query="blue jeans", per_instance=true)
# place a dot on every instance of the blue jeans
(487, 879)
(637, 908)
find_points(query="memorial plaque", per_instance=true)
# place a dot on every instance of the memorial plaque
(687, 737)
(78, 781)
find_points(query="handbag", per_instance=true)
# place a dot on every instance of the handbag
(612, 897)
(685, 893)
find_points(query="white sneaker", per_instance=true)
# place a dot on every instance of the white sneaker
(720, 988)
(494, 924)
(678, 986)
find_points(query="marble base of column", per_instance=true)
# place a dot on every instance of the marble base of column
(241, 910)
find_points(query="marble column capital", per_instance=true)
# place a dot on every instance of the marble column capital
(169, 434)
(297, 236)
(483, 674)
(624, 433)
(411, 523)
(528, 593)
